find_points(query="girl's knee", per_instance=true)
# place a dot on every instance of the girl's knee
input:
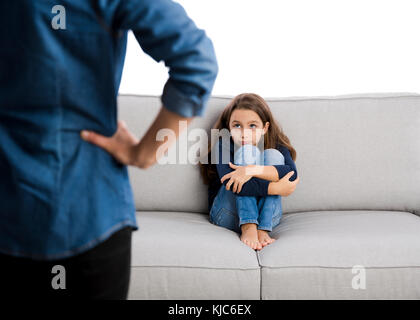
(247, 154)
(273, 157)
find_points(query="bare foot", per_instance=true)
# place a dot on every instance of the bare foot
(264, 238)
(249, 236)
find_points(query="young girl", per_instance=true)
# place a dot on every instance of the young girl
(245, 190)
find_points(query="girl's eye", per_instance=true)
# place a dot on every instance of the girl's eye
(237, 125)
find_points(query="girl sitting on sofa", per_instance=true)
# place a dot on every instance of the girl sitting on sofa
(245, 185)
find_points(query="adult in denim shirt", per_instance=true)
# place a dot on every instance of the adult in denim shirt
(65, 200)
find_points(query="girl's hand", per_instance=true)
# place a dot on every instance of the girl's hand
(284, 186)
(238, 177)
(122, 145)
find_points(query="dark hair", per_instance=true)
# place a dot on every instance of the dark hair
(272, 138)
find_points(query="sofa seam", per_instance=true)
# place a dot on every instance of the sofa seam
(323, 210)
(266, 267)
(289, 212)
(260, 268)
(199, 267)
(325, 267)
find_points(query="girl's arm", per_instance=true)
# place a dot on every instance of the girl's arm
(289, 164)
(129, 150)
(284, 186)
(253, 187)
(269, 173)
(257, 186)
(287, 174)
(275, 172)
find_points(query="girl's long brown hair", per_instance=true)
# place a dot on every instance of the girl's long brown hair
(273, 136)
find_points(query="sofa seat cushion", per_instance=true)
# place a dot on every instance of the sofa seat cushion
(180, 255)
(315, 252)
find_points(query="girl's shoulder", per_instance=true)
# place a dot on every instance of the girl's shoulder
(279, 146)
(282, 148)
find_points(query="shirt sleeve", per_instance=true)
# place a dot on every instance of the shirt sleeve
(289, 164)
(166, 33)
(253, 187)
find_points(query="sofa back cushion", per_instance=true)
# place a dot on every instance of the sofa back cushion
(359, 151)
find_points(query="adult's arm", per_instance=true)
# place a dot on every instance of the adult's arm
(166, 33)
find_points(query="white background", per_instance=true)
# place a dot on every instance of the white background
(279, 48)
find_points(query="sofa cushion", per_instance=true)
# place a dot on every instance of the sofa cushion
(314, 253)
(354, 152)
(178, 255)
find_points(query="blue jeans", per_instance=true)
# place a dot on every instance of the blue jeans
(231, 211)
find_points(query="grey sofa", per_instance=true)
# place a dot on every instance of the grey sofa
(353, 219)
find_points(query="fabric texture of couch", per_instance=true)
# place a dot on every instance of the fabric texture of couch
(355, 213)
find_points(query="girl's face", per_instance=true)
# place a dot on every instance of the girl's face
(246, 127)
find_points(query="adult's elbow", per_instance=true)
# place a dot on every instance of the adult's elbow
(191, 80)
(204, 66)
(214, 64)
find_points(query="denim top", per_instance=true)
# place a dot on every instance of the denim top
(60, 71)
(253, 187)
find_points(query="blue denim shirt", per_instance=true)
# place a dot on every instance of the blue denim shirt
(60, 195)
